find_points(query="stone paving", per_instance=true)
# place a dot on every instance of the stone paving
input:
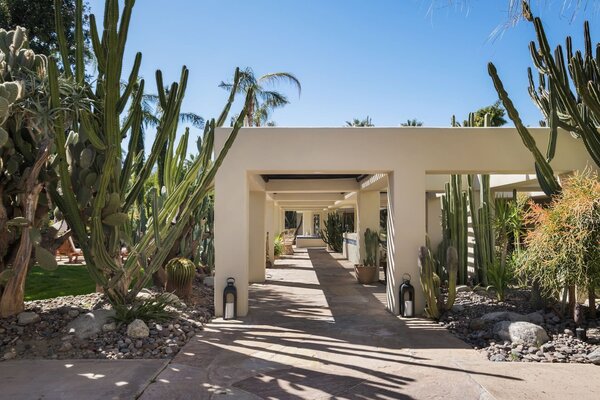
(314, 333)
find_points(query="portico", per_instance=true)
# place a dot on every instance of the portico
(359, 165)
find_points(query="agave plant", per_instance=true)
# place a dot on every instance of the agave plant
(94, 192)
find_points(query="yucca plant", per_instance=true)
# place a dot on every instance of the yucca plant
(95, 193)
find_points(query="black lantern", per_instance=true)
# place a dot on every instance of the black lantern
(407, 298)
(230, 300)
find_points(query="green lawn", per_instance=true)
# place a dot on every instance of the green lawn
(67, 280)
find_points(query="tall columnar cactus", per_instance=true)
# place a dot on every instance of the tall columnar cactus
(575, 111)
(455, 224)
(371, 248)
(95, 193)
(430, 281)
(180, 276)
(333, 232)
(483, 227)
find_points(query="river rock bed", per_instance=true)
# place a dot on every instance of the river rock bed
(42, 330)
(475, 317)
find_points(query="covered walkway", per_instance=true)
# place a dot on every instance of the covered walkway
(314, 333)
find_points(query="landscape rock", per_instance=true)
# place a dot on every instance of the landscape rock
(27, 317)
(459, 288)
(504, 316)
(210, 281)
(90, 323)
(594, 356)
(111, 326)
(138, 329)
(521, 331)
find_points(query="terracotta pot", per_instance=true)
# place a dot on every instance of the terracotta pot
(366, 275)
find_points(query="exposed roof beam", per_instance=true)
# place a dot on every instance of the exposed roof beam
(312, 185)
(281, 197)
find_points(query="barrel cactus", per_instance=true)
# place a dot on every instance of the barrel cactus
(180, 276)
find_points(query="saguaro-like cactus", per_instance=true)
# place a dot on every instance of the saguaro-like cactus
(455, 224)
(483, 228)
(95, 193)
(435, 304)
(371, 248)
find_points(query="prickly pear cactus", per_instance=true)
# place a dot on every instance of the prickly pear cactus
(180, 276)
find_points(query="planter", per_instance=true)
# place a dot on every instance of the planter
(366, 275)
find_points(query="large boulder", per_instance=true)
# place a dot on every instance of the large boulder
(89, 324)
(594, 356)
(521, 331)
(138, 329)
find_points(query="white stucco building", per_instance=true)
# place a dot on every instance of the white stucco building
(313, 170)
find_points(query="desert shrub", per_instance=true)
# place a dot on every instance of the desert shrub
(278, 245)
(562, 248)
(153, 309)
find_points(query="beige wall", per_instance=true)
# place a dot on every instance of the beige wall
(407, 155)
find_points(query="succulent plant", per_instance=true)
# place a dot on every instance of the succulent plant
(371, 248)
(431, 282)
(180, 276)
(97, 189)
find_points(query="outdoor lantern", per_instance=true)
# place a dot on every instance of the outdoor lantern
(407, 298)
(230, 300)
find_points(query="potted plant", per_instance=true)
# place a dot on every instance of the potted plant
(368, 272)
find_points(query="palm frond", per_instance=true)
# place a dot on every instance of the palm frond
(191, 118)
(277, 77)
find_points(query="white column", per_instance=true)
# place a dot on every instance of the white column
(406, 233)
(307, 222)
(231, 238)
(367, 217)
(257, 237)
(270, 227)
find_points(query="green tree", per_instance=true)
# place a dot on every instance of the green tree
(265, 100)
(412, 122)
(360, 122)
(496, 115)
(37, 16)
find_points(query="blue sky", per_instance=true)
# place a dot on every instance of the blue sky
(389, 59)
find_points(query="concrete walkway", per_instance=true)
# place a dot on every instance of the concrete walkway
(314, 333)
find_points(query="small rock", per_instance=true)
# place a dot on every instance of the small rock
(9, 355)
(111, 326)
(138, 329)
(73, 313)
(27, 317)
(568, 332)
(210, 282)
(66, 346)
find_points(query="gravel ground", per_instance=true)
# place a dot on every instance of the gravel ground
(48, 337)
(464, 322)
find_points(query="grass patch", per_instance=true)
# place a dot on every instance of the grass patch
(67, 280)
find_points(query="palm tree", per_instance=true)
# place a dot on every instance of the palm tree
(265, 100)
(412, 122)
(360, 122)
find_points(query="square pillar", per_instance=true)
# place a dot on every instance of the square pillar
(307, 222)
(367, 217)
(406, 233)
(257, 237)
(231, 237)
(270, 227)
